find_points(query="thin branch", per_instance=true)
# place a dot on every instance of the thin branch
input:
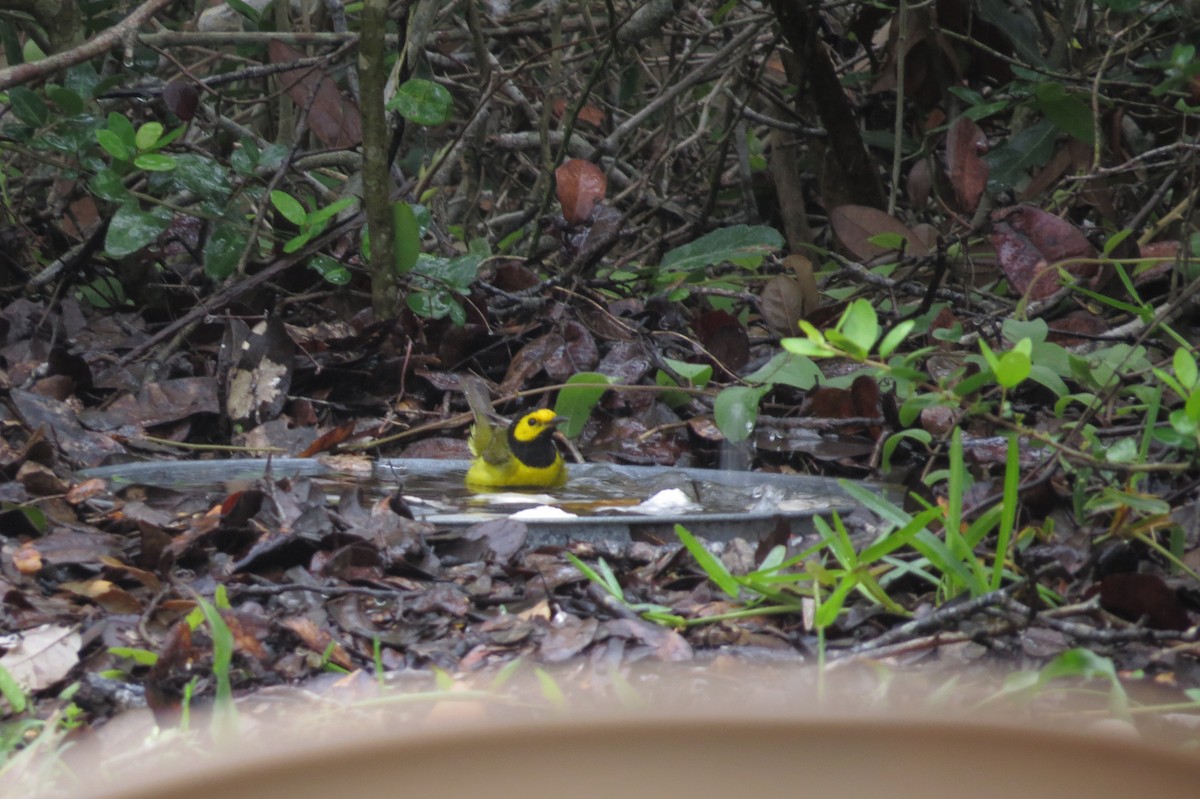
(97, 45)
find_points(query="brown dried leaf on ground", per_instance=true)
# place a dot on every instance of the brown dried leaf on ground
(1030, 245)
(968, 172)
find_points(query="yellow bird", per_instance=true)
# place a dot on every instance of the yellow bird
(519, 454)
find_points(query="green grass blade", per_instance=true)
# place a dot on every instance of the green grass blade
(712, 566)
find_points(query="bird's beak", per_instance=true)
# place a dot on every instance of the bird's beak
(557, 420)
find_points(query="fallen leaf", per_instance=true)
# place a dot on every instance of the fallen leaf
(965, 143)
(43, 656)
(1030, 243)
(580, 185)
(856, 225)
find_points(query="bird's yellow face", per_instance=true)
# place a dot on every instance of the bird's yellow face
(534, 425)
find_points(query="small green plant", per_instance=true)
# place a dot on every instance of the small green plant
(1076, 665)
(604, 577)
(311, 223)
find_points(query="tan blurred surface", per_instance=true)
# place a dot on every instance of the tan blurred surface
(719, 732)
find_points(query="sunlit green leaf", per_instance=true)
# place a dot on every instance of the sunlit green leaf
(132, 229)
(148, 135)
(154, 162)
(422, 101)
(289, 206)
(736, 410)
(576, 401)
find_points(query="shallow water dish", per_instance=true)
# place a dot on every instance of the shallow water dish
(688, 754)
(732, 504)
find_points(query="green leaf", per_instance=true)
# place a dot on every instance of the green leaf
(142, 657)
(434, 304)
(330, 211)
(736, 410)
(829, 609)
(697, 374)
(895, 337)
(860, 326)
(104, 292)
(741, 244)
(710, 563)
(154, 162)
(602, 575)
(13, 54)
(28, 106)
(12, 692)
(330, 269)
(1044, 376)
(106, 184)
(248, 11)
(1186, 372)
(290, 207)
(120, 125)
(132, 229)
(575, 402)
(1010, 162)
(408, 237)
(1014, 365)
(68, 101)
(1068, 113)
(808, 348)
(296, 242)
(148, 135)
(201, 175)
(789, 369)
(423, 102)
(889, 446)
(112, 144)
(223, 250)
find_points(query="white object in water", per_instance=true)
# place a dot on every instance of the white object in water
(542, 513)
(668, 502)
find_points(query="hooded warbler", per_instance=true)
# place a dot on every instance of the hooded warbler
(511, 454)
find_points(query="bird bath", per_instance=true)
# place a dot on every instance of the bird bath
(601, 502)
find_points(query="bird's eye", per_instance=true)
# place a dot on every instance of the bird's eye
(533, 422)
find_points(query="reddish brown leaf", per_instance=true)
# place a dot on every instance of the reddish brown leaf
(965, 142)
(1081, 321)
(782, 304)
(725, 339)
(332, 117)
(856, 225)
(181, 98)
(328, 440)
(513, 277)
(1164, 255)
(589, 113)
(828, 403)
(1138, 596)
(1030, 242)
(580, 185)
(920, 182)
